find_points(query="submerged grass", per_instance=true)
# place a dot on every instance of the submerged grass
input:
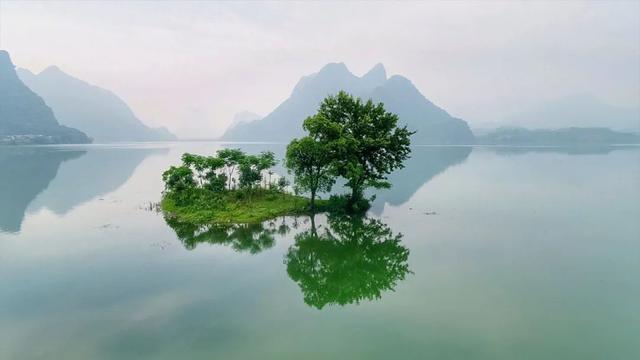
(205, 207)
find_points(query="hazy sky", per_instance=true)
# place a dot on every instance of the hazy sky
(192, 66)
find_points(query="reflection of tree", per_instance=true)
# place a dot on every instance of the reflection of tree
(354, 259)
(252, 238)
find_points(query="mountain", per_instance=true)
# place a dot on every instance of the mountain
(24, 116)
(244, 117)
(565, 136)
(400, 96)
(96, 111)
(579, 110)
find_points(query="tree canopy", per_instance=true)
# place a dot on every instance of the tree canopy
(310, 163)
(362, 140)
(217, 173)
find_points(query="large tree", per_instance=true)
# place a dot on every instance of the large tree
(310, 164)
(363, 139)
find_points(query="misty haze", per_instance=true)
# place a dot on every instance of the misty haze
(319, 180)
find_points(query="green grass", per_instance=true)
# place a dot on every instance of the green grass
(204, 207)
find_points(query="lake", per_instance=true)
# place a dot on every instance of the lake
(475, 253)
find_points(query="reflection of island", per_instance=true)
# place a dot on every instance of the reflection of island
(37, 177)
(26, 171)
(252, 238)
(99, 172)
(425, 163)
(354, 259)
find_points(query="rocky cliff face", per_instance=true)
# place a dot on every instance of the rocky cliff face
(432, 124)
(24, 116)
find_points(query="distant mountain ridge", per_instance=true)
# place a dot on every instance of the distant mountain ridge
(24, 116)
(577, 110)
(97, 111)
(557, 137)
(432, 124)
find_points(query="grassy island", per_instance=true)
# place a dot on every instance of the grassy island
(230, 187)
(236, 206)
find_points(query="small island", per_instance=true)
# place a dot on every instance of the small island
(349, 138)
(230, 187)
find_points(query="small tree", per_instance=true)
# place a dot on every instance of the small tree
(232, 159)
(364, 141)
(208, 169)
(283, 183)
(178, 179)
(252, 166)
(197, 163)
(249, 173)
(310, 163)
(266, 160)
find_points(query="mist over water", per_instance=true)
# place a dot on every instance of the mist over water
(478, 253)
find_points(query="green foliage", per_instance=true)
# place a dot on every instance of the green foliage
(354, 259)
(199, 191)
(216, 173)
(249, 172)
(201, 206)
(178, 179)
(266, 160)
(344, 205)
(310, 163)
(206, 169)
(231, 158)
(283, 182)
(215, 182)
(252, 166)
(363, 140)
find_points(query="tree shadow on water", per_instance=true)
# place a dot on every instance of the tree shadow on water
(352, 260)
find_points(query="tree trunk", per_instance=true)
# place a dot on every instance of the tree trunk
(356, 195)
(313, 200)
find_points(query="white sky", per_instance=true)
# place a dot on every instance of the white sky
(192, 66)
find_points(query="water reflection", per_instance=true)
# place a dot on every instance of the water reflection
(97, 173)
(568, 150)
(60, 178)
(351, 260)
(251, 238)
(425, 163)
(26, 172)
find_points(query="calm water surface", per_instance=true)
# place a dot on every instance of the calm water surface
(475, 253)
